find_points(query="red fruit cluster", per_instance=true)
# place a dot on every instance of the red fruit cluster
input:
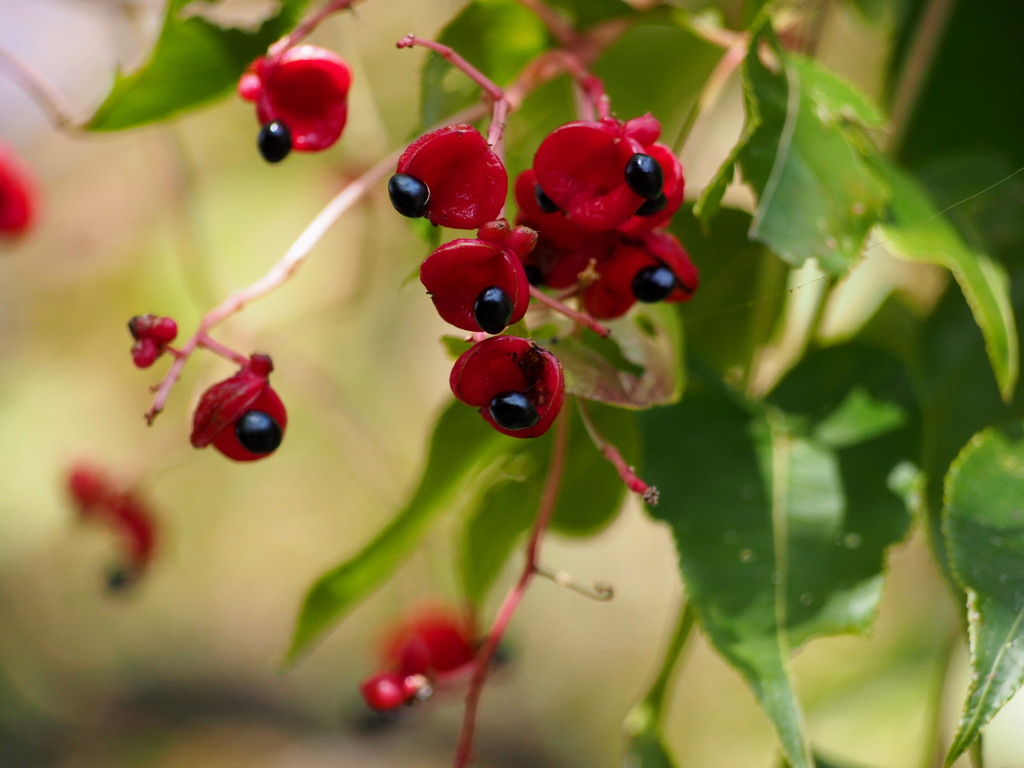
(301, 98)
(17, 195)
(98, 498)
(434, 648)
(242, 417)
(152, 334)
(597, 193)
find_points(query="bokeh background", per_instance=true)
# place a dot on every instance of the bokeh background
(184, 669)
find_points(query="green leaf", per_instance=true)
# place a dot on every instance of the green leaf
(804, 154)
(461, 449)
(638, 366)
(781, 537)
(743, 289)
(193, 62)
(589, 498)
(984, 527)
(498, 37)
(586, 13)
(915, 230)
(681, 61)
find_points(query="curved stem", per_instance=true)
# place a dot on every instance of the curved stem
(549, 497)
(577, 317)
(611, 453)
(450, 55)
(42, 92)
(564, 33)
(303, 30)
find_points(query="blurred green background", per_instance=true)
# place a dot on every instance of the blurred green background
(183, 671)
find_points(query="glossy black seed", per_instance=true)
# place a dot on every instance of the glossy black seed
(120, 578)
(409, 195)
(492, 309)
(653, 283)
(258, 432)
(534, 275)
(274, 141)
(643, 176)
(651, 207)
(546, 203)
(513, 411)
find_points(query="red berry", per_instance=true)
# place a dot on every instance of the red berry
(646, 269)
(151, 334)
(89, 486)
(433, 643)
(145, 351)
(459, 273)
(466, 182)
(581, 168)
(384, 691)
(17, 195)
(503, 364)
(226, 403)
(306, 89)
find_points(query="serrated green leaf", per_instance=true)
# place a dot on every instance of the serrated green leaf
(780, 537)
(804, 154)
(984, 528)
(915, 230)
(193, 62)
(498, 37)
(461, 449)
(649, 339)
(590, 495)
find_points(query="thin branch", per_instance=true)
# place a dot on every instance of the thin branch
(40, 90)
(611, 453)
(463, 753)
(577, 317)
(303, 30)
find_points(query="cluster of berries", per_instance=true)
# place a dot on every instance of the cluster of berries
(301, 97)
(431, 649)
(98, 498)
(597, 193)
(589, 211)
(152, 334)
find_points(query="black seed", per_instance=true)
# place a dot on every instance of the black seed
(513, 411)
(258, 432)
(651, 207)
(492, 309)
(409, 195)
(643, 176)
(274, 141)
(120, 578)
(534, 275)
(546, 203)
(653, 283)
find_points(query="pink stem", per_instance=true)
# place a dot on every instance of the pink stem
(577, 317)
(220, 349)
(277, 50)
(456, 61)
(611, 453)
(564, 33)
(463, 753)
(49, 99)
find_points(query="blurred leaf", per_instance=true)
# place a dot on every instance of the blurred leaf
(780, 537)
(822, 762)
(585, 13)
(589, 498)
(455, 345)
(638, 366)
(498, 37)
(462, 447)
(803, 155)
(193, 62)
(647, 750)
(915, 230)
(984, 527)
(657, 68)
